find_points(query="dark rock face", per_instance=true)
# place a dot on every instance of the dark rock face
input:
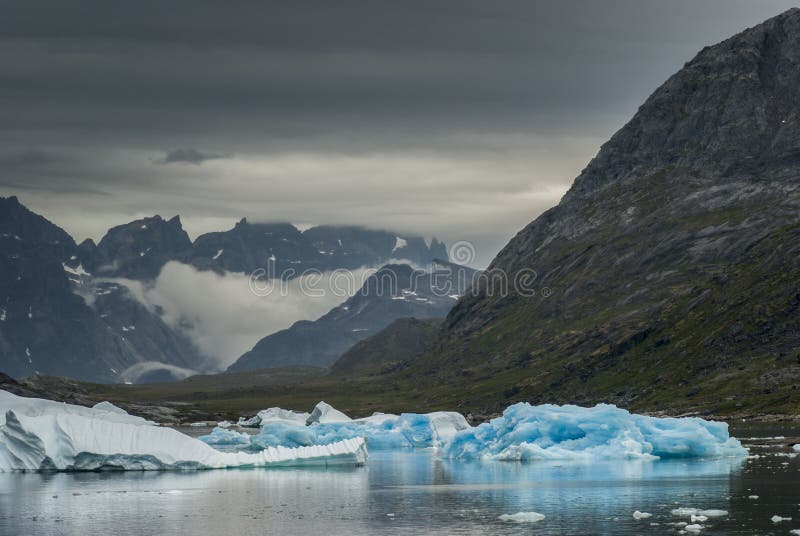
(247, 247)
(137, 250)
(54, 319)
(395, 291)
(673, 260)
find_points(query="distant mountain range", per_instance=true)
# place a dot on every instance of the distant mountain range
(395, 291)
(63, 310)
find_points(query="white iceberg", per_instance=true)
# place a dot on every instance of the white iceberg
(552, 432)
(273, 415)
(38, 434)
(324, 413)
(522, 517)
(796, 447)
(328, 425)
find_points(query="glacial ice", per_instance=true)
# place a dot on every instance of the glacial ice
(285, 428)
(522, 517)
(552, 432)
(523, 432)
(38, 434)
(796, 447)
(324, 413)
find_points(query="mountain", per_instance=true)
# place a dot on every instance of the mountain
(283, 250)
(54, 319)
(70, 310)
(669, 274)
(395, 291)
(400, 341)
(352, 247)
(137, 250)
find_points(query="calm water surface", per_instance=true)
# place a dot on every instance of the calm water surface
(413, 493)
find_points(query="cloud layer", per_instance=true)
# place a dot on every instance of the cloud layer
(225, 317)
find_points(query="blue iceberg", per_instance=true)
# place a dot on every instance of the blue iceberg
(552, 432)
(326, 425)
(523, 432)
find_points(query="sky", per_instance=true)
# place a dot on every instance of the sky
(463, 120)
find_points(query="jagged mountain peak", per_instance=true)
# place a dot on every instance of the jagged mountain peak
(731, 111)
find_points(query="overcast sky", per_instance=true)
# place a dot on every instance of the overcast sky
(463, 119)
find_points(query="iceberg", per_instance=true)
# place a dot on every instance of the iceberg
(326, 425)
(324, 413)
(38, 434)
(552, 432)
(522, 517)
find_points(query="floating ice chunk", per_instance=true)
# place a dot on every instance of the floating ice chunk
(688, 512)
(224, 424)
(381, 430)
(325, 413)
(42, 435)
(526, 432)
(641, 515)
(796, 532)
(779, 519)
(693, 528)
(522, 517)
(701, 519)
(796, 447)
(753, 497)
(282, 415)
(199, 424)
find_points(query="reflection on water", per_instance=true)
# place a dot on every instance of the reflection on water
(404, 492)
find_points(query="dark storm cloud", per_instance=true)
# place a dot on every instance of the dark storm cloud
(462, 118)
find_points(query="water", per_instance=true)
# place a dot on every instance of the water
(411, 493)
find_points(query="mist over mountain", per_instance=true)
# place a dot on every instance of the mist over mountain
(146, 303)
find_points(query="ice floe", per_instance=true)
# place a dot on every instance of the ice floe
(641, 515)
(522, 517)
(38, 434)
(526, 432)
(779, 519)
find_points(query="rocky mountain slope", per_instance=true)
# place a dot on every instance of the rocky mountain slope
(669, 274)
(400, 341)
(395, 291)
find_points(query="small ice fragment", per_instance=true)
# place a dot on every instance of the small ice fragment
(778, 519)
(694, 528)
(522, 517)
(753, 497)
(681, 512)
(695, 519)
(641, 515)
